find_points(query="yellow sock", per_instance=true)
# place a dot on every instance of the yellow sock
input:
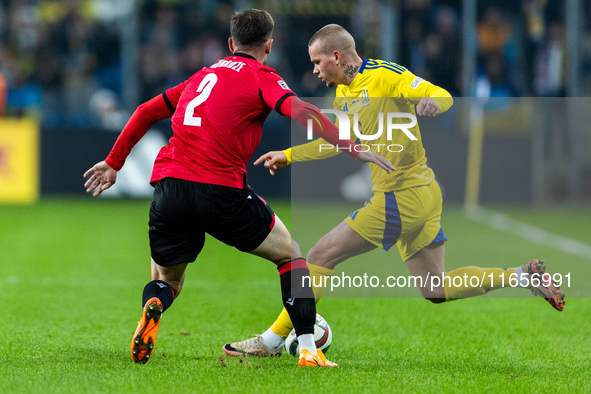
(488, 279)
(320, 276)
(283, 325)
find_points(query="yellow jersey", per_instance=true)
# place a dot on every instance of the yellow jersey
(383, 95)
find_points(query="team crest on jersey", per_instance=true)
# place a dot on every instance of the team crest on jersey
(416, 82)
(365, 97)
(283, 84)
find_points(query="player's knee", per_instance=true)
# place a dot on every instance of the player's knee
(436, 295)
(315, 256)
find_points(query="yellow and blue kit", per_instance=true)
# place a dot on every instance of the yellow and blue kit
(406, 206)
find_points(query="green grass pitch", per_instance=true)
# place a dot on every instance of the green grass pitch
(72, 272)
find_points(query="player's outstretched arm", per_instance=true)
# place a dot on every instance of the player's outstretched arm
(144, 117)
(317, 149)
(324, 128)
(278, 159)
(102, 176)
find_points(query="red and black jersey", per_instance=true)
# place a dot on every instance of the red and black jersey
(218, 121)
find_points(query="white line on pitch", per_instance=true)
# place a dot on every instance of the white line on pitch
(534, 234)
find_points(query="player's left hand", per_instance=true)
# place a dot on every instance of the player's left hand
(370, 157)
(428, 107)
(103, 177)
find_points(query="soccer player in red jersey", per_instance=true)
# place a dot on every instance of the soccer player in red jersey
(200, 177)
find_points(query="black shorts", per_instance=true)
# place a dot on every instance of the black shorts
(183, 211)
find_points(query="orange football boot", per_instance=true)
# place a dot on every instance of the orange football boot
(142, 343)
(307, 359)
(552, 292)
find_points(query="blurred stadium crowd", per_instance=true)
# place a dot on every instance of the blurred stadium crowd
(62, 60)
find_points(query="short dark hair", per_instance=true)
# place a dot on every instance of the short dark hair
(251, 27)
(333, 37)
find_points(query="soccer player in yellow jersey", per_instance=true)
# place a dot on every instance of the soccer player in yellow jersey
(406, 206)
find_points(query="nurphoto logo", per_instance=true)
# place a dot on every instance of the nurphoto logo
(345, 129)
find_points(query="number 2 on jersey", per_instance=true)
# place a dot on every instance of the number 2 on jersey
(205, 88)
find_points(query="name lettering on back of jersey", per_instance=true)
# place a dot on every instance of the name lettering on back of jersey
(283, 84)
(416, 82)
(236, 66)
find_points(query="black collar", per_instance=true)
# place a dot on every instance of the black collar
(244, 55)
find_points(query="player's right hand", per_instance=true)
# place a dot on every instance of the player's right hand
(103, 177)
(371, 157)
(273, 160)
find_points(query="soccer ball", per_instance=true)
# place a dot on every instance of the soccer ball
(322, 337)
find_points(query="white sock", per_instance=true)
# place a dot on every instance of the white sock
(272, 340)
(306, 341)
(523, 279)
